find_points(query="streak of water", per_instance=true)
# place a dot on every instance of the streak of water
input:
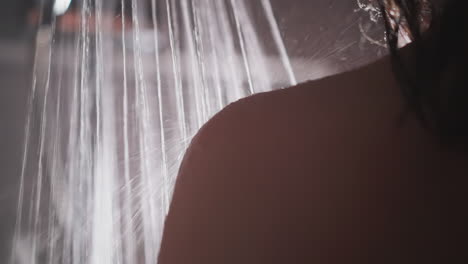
(230, 70)
(40, 174)
(177, 78)
(240, 35)
(193, 69)
(279, 41)
(128, 233)
(197, 35)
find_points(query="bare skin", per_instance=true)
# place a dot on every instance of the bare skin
(330, 171)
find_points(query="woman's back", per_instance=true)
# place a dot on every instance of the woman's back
(331, 171)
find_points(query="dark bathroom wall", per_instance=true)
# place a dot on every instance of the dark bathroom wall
(328, 30)
(14, 83)
(15, 61)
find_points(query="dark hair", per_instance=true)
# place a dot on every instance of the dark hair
(433, 77)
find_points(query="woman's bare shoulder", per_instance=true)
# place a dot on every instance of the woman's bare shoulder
(276, 160)
(310, 171)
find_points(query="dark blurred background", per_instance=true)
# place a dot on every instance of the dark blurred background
(316, 31)
(16, 49)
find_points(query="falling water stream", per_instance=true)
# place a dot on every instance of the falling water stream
(113, 107)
